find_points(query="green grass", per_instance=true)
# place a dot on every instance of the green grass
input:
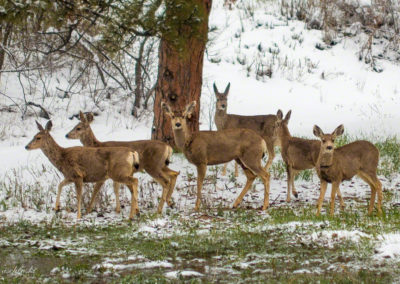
(271, 244)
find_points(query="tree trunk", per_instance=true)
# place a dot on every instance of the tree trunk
(180, 75)
(5, 33)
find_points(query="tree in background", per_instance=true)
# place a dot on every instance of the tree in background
(180, 68)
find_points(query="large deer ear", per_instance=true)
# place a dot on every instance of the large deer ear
(89, 117)
(338, 131)
(317, 131)
(215, 89)
(82, 116)
(189, 110)
(49, 125)
(39, 126)
(279, 114)
(166, 108)
(227, 89)
(287, 117)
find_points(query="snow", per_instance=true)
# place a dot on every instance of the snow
(184, 273)
(389, 247)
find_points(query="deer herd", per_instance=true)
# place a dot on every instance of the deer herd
(245, 139)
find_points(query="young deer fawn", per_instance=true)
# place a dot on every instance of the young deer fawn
(215, 147)
(298, 154)
(262, 124)
(154, 157)
(336, 165)
(86, 164)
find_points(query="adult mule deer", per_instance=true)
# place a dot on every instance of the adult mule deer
(205, 148)
(262, 124)
(336, 165)
(87, 164)
(154, 157)
(298, 154)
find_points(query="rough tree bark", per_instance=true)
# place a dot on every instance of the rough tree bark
(180, 74)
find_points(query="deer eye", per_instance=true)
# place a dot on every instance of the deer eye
(323, 140)
(37, 138)
(333, 140)
(78, 128)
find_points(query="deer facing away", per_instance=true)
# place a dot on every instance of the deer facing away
(298, 154)
(262, 124)
(336, 165)
(154, 157)
(86, 164)
(204, 148)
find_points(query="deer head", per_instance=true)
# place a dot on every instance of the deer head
(178, 118)
(222, 98)
(82, 127)
(281, 124)
(327, 144)
(41, 137)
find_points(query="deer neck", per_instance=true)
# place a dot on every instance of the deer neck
(182, 137)
(284, 137)
(89, 140)
(220, 118)
(325, 160)
(53, 151)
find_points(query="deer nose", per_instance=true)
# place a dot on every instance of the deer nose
(178, 124)
(223, 106)
(26, 147)
(66, 135)
(329, 147)
(136, 166)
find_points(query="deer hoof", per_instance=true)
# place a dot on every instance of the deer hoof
(296, 194)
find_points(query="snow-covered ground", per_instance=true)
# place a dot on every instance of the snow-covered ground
(325, 87)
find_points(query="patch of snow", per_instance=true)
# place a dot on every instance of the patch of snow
(389, 247)
(183, 273)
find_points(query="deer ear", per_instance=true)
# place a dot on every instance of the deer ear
(227, 89)
(215, 89)
(189, 109)
(82, 116)
(89, 117)
(39, 126)
(287, 117)
(166, 108)
(49, 125)
(279, 115)
(338, 131)
(317, 131)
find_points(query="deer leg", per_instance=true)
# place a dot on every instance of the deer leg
(60, 186)
(250, 179)
(236, 170)
(324, 185)
(289, 181)
(265, 178)
(339, 194)
(376, 189)
(335, 186)
(116, 187)
(224, 169)
(271, 155)
(378, 186)
(173, 175)
(164, 181)
(78, 188)
(201, 172)
(96, 190)
(294, 174)
(132, 184)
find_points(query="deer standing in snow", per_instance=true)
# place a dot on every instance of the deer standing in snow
(154, 158)
(86, 164)
(205, 148)
(336, 165)
(262, 124)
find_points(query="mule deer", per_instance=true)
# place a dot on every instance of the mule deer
(336, 165)
(154, 157)
(86, 164)
(298, 154)
(262, 124)
(205, 148)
